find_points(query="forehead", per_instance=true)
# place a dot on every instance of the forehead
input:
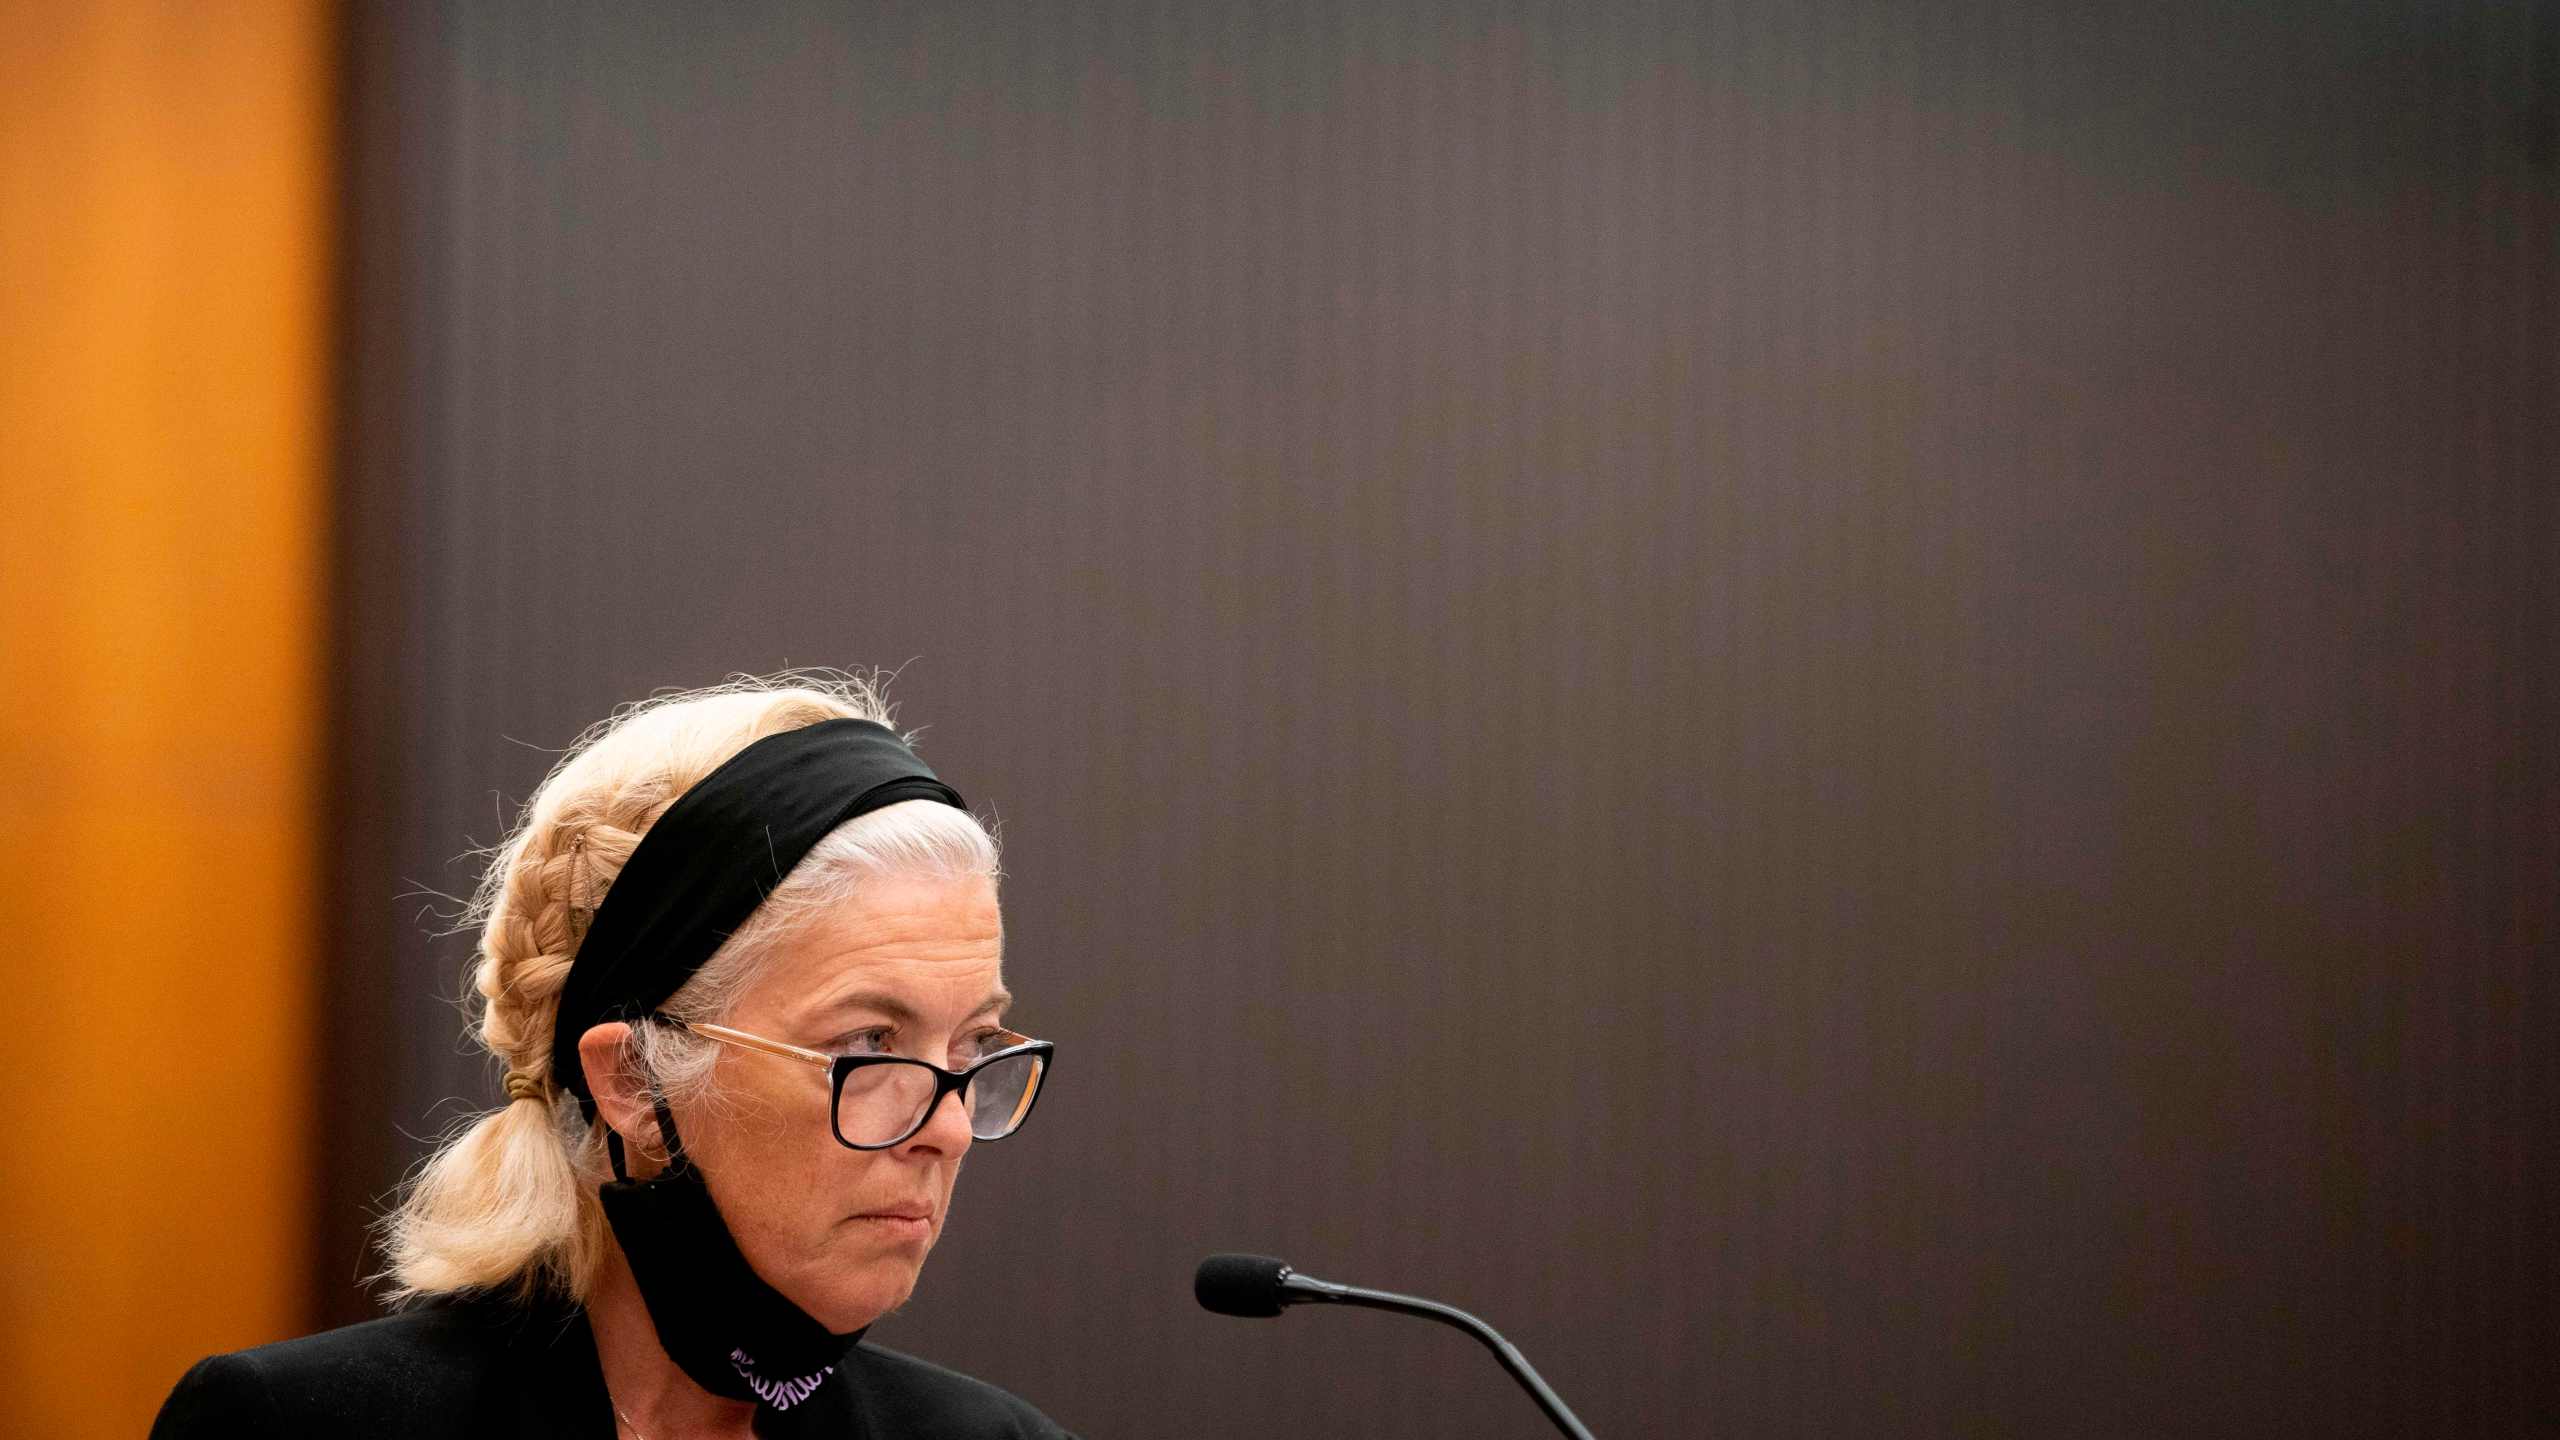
(930, 940)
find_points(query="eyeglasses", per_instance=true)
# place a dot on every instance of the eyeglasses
(881, 1101)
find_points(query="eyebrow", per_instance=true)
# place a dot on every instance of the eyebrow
(904, 1013)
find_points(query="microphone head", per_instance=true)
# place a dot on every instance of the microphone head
(1243, 1285)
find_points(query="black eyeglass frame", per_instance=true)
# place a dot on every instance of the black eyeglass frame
(839, 1067)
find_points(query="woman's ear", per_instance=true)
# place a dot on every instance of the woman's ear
(621, 1091)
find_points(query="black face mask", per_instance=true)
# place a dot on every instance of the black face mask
(734, 1334)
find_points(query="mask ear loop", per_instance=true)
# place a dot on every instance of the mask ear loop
(677, 1161)
(677, 1164)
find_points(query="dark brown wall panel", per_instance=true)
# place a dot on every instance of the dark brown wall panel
(1847, 710)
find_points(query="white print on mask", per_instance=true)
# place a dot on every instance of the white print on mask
(780, 1394)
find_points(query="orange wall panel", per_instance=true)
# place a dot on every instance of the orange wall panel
(165, 227)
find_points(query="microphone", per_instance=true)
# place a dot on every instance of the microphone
(1256, 1287)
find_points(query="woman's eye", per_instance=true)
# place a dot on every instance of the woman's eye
(977, 1047)
(865, 1042)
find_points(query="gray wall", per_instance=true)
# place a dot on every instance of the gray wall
(1849, 713)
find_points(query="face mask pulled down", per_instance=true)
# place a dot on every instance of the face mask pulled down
(731, 1332)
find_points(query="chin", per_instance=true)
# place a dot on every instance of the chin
(849, 1308)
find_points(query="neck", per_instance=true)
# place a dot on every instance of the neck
(647, 1385)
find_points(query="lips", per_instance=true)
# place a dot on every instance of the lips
(910, 1224)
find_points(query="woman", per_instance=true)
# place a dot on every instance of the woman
(742, 964)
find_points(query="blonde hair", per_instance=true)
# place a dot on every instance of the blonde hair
(508, 1201)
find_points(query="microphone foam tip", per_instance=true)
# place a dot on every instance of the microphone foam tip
(1243, 1285)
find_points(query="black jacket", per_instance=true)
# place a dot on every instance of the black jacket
(487, 1370)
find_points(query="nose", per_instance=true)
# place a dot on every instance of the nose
(946, 1131)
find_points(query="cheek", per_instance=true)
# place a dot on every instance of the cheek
(789, 1187)
(777, 1148)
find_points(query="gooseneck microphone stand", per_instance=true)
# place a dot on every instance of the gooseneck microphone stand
(1257, 1286)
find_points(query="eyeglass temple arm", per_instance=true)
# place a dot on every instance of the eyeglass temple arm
(746, 1041)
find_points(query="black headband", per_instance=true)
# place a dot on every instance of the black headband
(713, 857)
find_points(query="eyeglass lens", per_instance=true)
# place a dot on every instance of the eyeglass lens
(882, 1103)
